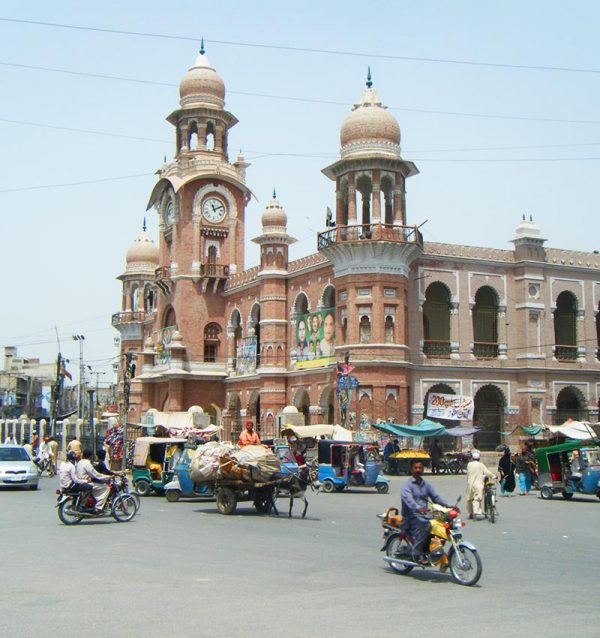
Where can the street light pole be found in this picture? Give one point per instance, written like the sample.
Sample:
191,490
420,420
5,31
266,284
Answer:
92,423
81,339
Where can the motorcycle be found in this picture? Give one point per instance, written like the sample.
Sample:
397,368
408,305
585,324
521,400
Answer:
75,505
446,548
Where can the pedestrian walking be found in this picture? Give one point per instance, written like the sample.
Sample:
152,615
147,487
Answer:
506,472
476,474
525,468
435,452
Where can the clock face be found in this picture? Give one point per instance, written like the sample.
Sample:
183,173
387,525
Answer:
213,210
169,213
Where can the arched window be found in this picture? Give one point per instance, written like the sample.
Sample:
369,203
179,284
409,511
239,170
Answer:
565,327
345,329
193,137
365,329
365,187
436,321
389,329
345,198
149,299
485,324
134,299
236,324
255,323
169,318
210,136
570,404
328,297
387,204
212,340
301,304
489,417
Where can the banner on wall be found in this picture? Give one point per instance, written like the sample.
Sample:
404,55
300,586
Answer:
314,345
246,356
450,406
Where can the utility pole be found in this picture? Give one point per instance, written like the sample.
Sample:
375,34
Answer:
56,393
92,423
97,375
128,374
80,406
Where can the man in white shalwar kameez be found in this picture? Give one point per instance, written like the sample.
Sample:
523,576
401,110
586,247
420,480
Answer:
476,474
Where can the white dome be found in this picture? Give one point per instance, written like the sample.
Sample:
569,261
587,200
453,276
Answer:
143,254
201,85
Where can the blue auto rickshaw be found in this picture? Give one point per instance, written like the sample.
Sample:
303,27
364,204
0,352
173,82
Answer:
559,474
181,484
343,465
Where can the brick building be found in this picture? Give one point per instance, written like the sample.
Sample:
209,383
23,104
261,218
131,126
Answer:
516,329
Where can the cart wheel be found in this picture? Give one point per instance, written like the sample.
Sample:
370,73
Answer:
226,500
328,486
546,493
143,487
173,495
382,488
567,495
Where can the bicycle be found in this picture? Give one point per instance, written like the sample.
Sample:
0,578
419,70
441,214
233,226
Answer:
489,501
45,464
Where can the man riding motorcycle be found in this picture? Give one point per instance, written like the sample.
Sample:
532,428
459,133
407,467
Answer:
415,494
69,481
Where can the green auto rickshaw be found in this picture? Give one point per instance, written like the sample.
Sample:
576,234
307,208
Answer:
154,460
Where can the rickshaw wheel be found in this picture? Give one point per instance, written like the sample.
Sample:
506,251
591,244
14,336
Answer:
173,495
328,486
567,495
143,488
340,488
382,488
546,493
226,500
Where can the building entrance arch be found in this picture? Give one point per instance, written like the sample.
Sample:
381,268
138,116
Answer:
489,417
570,404
327,404
302,403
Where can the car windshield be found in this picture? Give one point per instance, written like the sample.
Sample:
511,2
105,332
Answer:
13,454
592,457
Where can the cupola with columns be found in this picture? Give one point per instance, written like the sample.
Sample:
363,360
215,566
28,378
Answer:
274,240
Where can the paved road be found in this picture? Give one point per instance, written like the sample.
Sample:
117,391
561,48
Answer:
183,569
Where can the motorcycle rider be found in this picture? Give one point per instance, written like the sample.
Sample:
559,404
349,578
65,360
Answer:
69,481
415,495
86,471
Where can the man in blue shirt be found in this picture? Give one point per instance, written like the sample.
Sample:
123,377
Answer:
415,496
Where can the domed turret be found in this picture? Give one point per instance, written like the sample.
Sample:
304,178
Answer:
143,254
527,229
274,218
370,129
201,85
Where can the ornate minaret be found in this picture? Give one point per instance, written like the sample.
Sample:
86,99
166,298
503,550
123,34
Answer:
370,246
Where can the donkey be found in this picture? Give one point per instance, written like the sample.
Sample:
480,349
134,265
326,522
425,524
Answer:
296,485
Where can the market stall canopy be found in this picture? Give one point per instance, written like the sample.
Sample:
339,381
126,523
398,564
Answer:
580,430
333,432
424,428
462,431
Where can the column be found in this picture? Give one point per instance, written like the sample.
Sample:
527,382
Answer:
454,331
502,345
376,201
352,206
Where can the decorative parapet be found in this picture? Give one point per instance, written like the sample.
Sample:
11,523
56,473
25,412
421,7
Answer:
467,252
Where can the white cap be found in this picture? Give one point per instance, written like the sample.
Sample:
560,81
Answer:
475,455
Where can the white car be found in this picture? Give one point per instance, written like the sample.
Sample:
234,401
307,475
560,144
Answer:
17,468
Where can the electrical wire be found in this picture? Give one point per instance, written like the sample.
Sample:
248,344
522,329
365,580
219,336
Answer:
362,54
67,184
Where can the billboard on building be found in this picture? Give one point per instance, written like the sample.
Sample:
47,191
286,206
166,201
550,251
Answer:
246,356
314,343
450,406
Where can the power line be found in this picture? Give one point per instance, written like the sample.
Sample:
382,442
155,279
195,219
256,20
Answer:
63,185
519,118
361,54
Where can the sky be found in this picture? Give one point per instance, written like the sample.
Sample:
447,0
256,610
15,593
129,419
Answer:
497,103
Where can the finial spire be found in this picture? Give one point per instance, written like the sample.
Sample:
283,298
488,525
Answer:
202,49
523,216
144,225
530,218
274,194
369,81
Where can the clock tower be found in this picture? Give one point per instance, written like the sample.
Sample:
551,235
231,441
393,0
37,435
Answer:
201,199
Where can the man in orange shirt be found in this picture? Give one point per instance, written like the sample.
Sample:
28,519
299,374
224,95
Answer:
249,436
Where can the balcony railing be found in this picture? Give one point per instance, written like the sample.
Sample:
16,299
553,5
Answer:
485,350
128,317
373,232
436,349
565,353
220,271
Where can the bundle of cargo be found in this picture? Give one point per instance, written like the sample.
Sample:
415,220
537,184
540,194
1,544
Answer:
206,462
254,463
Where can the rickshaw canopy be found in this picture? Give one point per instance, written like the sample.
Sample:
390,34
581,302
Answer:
333,432
143,444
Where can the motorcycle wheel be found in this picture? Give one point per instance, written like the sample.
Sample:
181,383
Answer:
396,546
124,508
67,514
470,571
173,495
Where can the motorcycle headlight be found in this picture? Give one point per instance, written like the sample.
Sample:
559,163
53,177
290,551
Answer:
457,523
